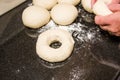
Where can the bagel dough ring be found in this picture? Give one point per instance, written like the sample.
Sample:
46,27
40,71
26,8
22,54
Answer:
48,4
64,14
100,8
35,17
73,2
50,54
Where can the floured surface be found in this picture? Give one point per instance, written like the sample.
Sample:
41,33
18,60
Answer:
19,60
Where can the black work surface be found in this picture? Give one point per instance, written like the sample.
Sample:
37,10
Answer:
93,58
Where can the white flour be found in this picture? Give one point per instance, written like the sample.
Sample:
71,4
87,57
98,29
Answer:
78,30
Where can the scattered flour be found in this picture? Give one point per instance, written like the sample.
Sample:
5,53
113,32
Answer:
79,31
77,74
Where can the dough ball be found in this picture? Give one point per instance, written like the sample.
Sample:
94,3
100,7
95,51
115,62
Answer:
100,8
35,17
48,4
64,14
87,5
73,2
50,54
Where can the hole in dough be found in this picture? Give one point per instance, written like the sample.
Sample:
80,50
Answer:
55,44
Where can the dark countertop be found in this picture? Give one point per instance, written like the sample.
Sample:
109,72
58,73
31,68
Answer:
96,55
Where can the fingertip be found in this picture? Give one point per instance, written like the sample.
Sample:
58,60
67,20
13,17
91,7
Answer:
97,19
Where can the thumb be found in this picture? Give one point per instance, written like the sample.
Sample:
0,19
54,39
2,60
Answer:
102,20
114,7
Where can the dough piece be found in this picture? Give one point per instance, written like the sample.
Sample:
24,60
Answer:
50,54
107,1
64,14
100,8
87,5
48,4
35,16
73,2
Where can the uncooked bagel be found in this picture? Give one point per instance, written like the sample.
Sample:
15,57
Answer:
48,4
100,8
73,2
64,14
50,54
35,17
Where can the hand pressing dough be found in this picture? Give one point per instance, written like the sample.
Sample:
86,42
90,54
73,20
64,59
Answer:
87,5
64,14
100,8
35,16
73,2
48,4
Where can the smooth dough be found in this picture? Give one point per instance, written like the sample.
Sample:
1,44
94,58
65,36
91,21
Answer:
107,1
87,5
50,54
64,14
100,8
73,2
35,17
48,4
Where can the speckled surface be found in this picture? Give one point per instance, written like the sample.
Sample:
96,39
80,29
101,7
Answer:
96,54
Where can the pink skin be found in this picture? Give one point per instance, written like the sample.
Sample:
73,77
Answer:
93,2
110,23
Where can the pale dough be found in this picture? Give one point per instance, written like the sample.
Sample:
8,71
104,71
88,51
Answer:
50,54
64,14
87,5
107,1
74,2
100,8
35,16
48,4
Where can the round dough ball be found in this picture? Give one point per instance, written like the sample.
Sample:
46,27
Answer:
50,54
35,17
100,8
87,5
48,4
64,14
73,2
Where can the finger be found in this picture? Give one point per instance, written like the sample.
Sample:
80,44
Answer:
114,7
102,20
115,33
115,1
106,28
110,28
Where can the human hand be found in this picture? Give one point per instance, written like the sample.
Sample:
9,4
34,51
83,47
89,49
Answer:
115,2
112,2
110,23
